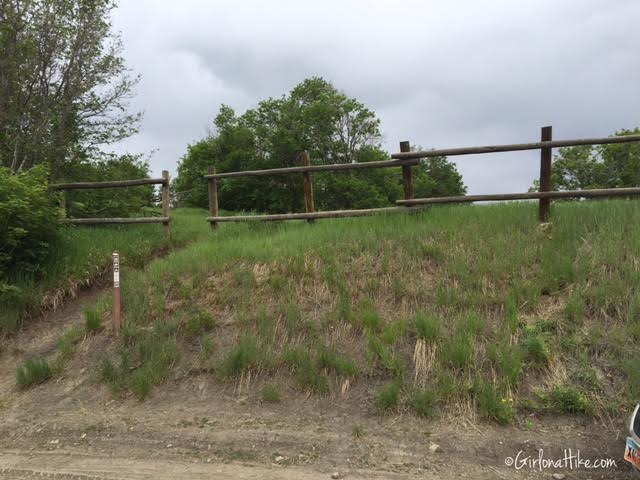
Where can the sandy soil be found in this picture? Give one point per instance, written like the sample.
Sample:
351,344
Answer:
74,428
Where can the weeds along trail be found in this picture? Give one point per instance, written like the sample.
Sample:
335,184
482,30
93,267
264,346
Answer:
461,312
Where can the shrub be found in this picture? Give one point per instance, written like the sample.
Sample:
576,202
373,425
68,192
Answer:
33,372
29,222
569,400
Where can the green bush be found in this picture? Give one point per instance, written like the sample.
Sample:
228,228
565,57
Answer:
566,399
128,202
29,224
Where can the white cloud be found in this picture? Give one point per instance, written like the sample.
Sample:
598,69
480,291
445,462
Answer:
437,73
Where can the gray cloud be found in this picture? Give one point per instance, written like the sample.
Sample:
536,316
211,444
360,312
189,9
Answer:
440,74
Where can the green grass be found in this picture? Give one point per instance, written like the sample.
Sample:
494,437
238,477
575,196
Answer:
422,402
427,327
93,319
485,291
270,394
82,255
33,372
388,397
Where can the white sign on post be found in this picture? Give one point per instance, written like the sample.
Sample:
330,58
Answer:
116,270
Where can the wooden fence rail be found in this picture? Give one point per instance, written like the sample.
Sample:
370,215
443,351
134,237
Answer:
164,219
406,159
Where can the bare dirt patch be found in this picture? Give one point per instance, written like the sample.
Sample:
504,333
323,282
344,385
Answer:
197,427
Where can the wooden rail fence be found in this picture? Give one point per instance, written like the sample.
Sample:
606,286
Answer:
164,182
407,159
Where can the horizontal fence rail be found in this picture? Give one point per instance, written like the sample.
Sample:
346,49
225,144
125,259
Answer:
120,221
601,192
316,168
514,147
309,216
111,184
164,219
406,159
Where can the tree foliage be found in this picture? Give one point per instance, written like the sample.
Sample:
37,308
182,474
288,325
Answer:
28,221
126,202
64,86
600,166
316,117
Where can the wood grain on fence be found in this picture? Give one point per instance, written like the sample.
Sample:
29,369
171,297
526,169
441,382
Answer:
164,219
600,192
544,205
407,183
406,159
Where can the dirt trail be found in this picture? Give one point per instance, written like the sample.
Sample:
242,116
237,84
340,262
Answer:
195,427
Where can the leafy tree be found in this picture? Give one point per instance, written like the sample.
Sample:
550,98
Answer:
125,202
601,166
64,86
437,177
188,187
29,221
316,117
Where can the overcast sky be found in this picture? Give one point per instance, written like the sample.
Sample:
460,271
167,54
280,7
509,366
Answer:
437,73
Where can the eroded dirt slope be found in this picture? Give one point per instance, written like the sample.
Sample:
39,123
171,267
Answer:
73,427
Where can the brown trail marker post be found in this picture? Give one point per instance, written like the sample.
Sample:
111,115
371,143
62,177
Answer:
406,173
116,293
545,175
308,186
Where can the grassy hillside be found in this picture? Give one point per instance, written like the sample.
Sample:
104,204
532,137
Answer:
83,255
458,310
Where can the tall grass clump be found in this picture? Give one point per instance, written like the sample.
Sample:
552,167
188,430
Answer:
33,372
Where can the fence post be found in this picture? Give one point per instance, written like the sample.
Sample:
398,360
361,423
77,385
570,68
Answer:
406,173
213,197
308,186
545,175
165,202
116,293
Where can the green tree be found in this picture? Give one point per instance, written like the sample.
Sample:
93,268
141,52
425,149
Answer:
437,177
64,86
127,202
316,117
601,166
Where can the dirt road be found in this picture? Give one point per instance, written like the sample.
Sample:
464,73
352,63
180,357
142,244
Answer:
73,427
